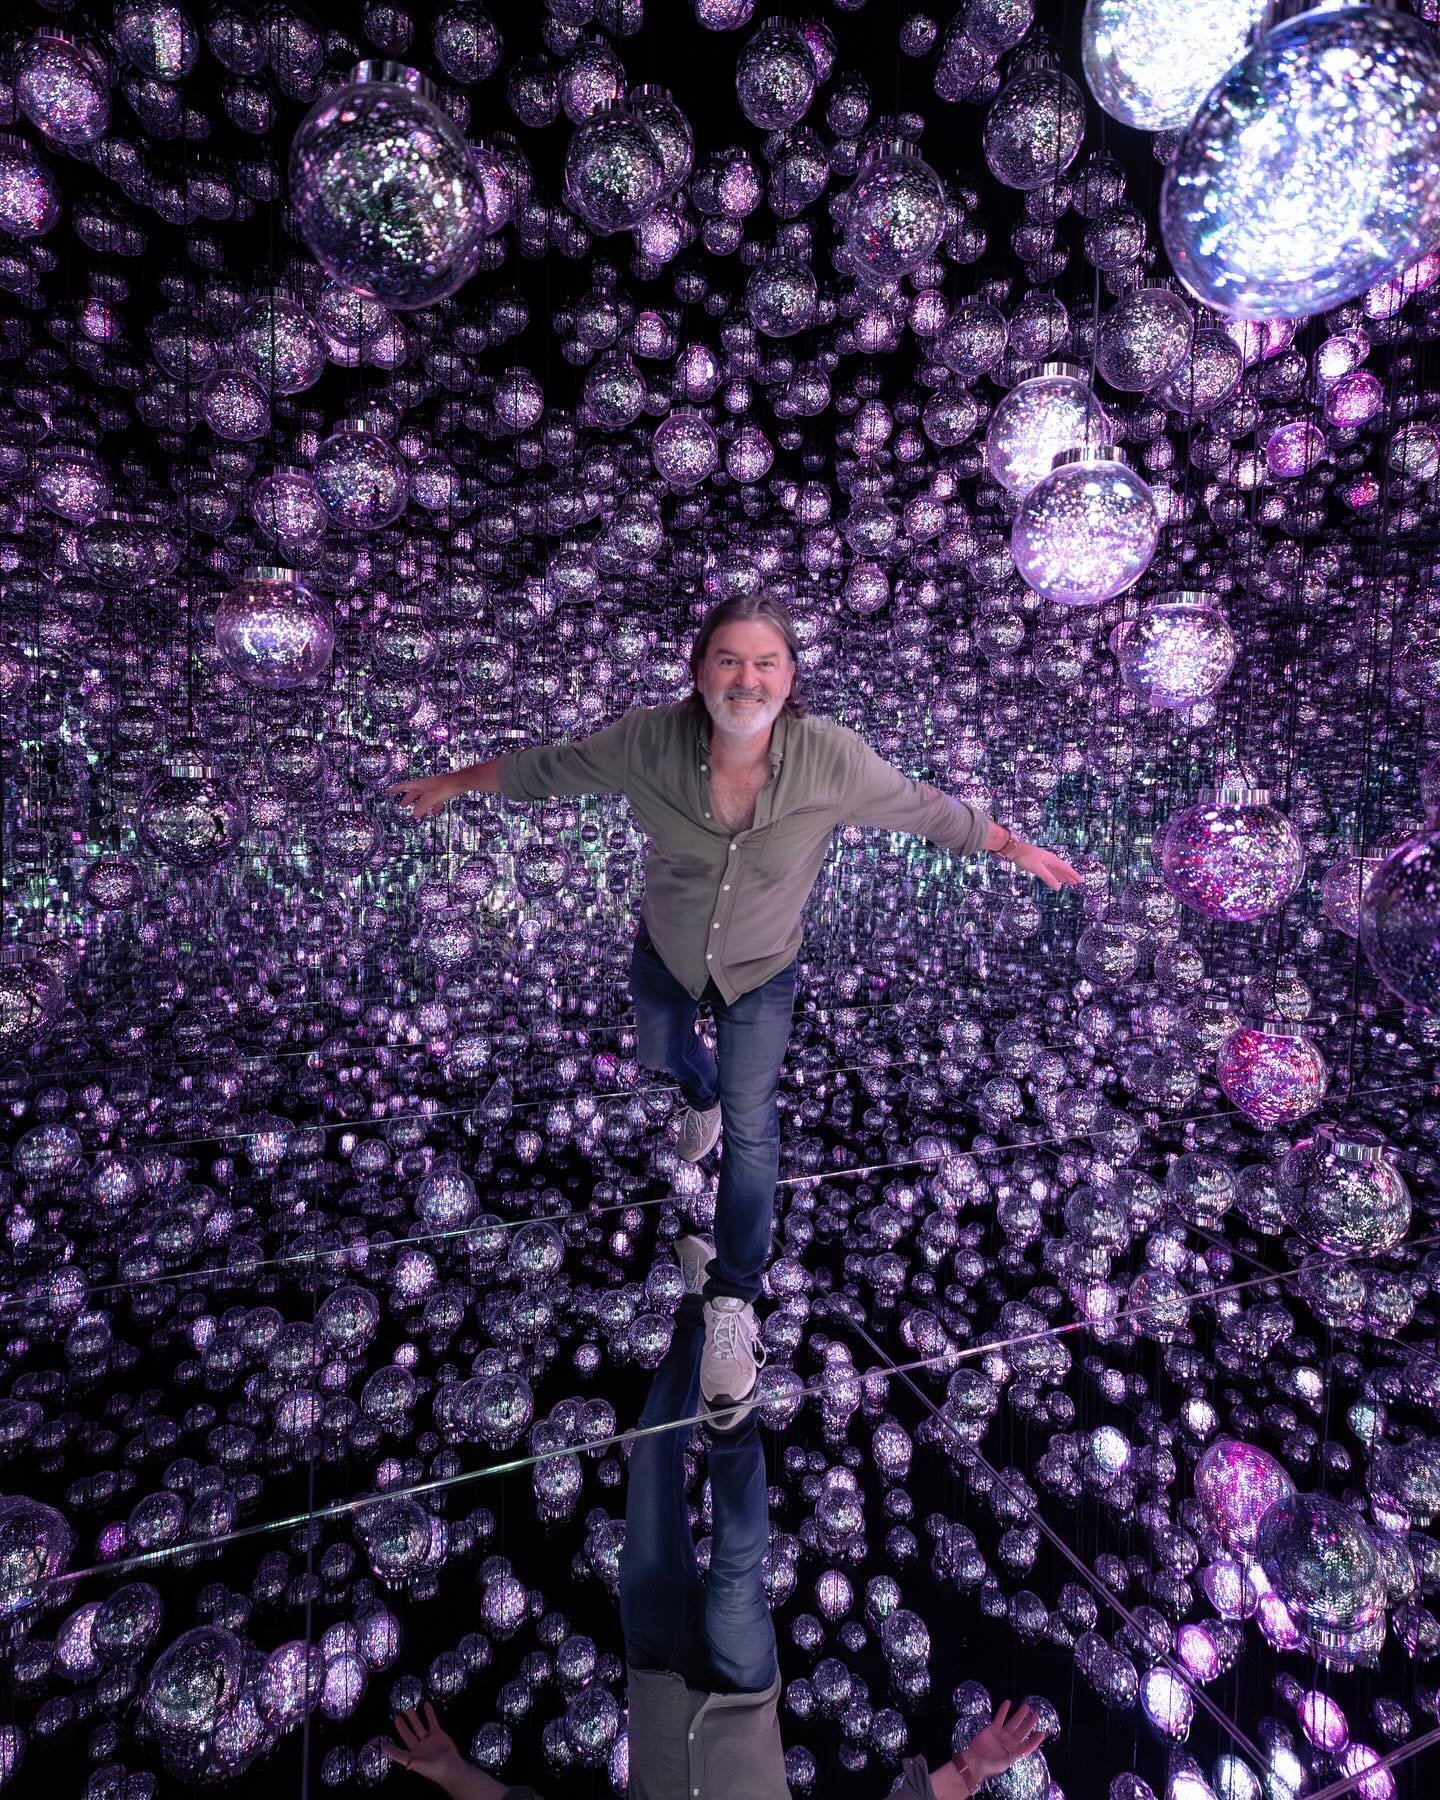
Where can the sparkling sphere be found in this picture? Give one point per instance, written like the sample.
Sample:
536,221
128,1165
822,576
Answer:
61,88
613,171
1176,652
71,483
1150,64
290,512
1236,1483
1320,1558
281,345
272,632
1400,919
1046,413
780,297
1312,169
158,36
468,44
1342,887
29,192
1086,531
775,76
1034,128
35,1545
361,481
189,817
684,449
1341,1193
895,213
1273,1073
654,108
385,191
973,340
1143,339
193,1682
1233,856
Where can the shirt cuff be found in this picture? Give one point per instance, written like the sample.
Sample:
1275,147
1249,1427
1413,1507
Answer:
916,1784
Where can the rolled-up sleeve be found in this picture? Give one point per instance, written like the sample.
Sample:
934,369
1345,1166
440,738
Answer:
880,795
914,1782
596,765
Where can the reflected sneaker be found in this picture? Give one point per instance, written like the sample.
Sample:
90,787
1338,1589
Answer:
730,1361
694,1255
698,1132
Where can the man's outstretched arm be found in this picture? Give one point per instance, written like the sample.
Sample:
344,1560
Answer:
594,765
427,1749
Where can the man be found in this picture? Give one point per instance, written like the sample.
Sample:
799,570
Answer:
703,1678
738,789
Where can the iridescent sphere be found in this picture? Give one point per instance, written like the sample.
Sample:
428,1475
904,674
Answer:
29,192
61,88
1143,339
1232,856
35,1545
288,510
280,344
1312,169
233,405
113,882
1177,652
468,44
1294,448
193,1682
385,191
775,76
1354,398
613,172
973,340
158,36
780,297
1320,1558
1400,919
1149,64
1236,1483
1050,411
1340,1192
1087,530
71,483
396,1537
654,108
895,212
361,481
272,631
189,817
684,449
1205,377
1273,1073
1034,128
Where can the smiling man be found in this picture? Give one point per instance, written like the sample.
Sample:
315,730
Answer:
738,789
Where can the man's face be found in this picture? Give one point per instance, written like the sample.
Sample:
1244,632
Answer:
745,678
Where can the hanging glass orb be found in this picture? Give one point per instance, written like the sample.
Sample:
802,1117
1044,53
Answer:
684,449
1087,531
384,189
28,998
1035,124
234,406
654,108
280,344
1341,1193
1150,64
288,510
1312,170
193,1682
780,297
29,192
189,817
35,1545
1320,1558
895,212
158,37
1236,1484
1232,856
113,882
1205,377
272,631
1143,339
468,44
1294,449
973,340
361,481
1400,918
775,76
613,172
1274,1073
1342,887
119,549
1177,652
1049,411
71,483
61,87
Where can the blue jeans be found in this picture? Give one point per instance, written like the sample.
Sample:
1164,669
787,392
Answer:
752,1033
717,1634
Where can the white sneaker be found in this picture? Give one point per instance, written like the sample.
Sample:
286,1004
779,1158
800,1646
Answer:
698,1132
694,1255
731,1360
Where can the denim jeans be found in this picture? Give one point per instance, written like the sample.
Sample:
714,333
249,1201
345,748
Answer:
752,1034
718,1634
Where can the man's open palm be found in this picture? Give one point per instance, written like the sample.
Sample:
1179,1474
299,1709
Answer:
1053,870
425,1747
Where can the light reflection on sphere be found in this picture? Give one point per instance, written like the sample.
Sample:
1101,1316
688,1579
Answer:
780,298
775,76
385,191
1043,415
1400,919
272,632
190,817
1034,128
1232,856
29,192
61,87
1142,339
361,481
1151,66
1311,170
1275,1075
1342,1194
1320,1558
613,172
895,213
1176,652
1085,532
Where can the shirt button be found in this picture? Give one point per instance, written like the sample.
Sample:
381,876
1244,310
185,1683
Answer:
726,888
715,926
709,956
692,1737
732,845
707,815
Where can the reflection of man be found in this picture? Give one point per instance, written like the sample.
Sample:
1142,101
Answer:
700,1656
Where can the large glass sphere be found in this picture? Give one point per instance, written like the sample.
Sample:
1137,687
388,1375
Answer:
1034,128
272,631
35,1545
1400,919
1341,1193
1143,339
359,478
613,171
384,188
1050,411
894,214
1176,652
1320,1558
1273,1073
684,449
1150,64
1312,170
780,297
670,131
775,76
192,1684
29,192
1236,1483
1087,531
1232,856
189,817
61,88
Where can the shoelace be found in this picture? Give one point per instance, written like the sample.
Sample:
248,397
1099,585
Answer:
729,1332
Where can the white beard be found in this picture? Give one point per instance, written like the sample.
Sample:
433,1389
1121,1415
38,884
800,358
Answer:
743,722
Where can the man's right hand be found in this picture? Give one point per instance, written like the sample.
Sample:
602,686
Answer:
428,794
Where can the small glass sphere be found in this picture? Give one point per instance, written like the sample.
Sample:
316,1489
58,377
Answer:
113,882
780,297
1273,1073
775,76
1034,128
1150,65
233,405
288,510
613,172
1311,171
1143,339
1043,415
361,481
280,344
973,340
61,87
468,44
189,817
1233,856
684,449
71,483
1176,653
895,213
1341,1193
1320,1558
385,191
272,631
1400,919
1236,1484
29,192
1087,531
1293,449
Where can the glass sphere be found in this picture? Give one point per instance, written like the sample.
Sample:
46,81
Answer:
1312,169
29,192
1342,887
1400,919
61,87
193,1682
1150,64
272,632
654,108
613,172
158,37
280,344
189,817
1034,128
1050,411
468,44
71,483
1232,856
1341,1193
1273,1073
1143,339
684,448
35,1545
1320,1558
385,191
290,512
1176,652
1236,1484
973,340
780,297
113,882
775,76
361,481
894,214
1087,531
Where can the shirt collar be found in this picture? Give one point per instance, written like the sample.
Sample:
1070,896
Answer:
777,737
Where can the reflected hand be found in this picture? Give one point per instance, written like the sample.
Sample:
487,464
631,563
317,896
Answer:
1003,1741
425,1747
1053,870
426,794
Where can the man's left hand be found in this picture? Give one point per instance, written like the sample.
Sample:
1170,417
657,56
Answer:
1053,870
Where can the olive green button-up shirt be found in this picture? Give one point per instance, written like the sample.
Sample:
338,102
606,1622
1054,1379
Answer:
726,906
